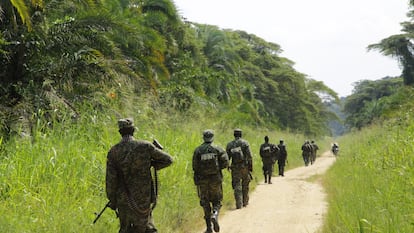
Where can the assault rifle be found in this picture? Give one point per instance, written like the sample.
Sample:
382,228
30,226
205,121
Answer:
154,189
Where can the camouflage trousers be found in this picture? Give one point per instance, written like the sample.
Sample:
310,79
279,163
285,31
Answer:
281,165
312,157
211,195
268,168
240,179
306,158
131,222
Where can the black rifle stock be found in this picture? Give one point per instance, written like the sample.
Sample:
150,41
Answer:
100,213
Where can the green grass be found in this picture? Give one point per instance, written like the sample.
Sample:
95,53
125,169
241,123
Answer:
371,186
54,181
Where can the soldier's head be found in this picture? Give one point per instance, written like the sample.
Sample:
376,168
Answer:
237,133
126,126
266,138
281,141
208,135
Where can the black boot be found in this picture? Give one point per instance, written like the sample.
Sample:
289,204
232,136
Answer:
208,224
265,176
214,219
270,178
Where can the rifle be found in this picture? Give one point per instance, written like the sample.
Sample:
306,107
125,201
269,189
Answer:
154,191
100,213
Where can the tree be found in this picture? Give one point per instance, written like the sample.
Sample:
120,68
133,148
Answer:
401,47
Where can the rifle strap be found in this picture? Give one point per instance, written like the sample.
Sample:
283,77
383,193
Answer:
132,204
155,189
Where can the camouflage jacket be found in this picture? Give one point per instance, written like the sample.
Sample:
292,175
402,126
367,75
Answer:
208,161
128,164
282,152
243,145
268,152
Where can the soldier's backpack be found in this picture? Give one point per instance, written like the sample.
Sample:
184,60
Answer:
266,151
209,162
237,155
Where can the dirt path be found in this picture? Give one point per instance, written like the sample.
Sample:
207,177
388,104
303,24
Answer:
291,204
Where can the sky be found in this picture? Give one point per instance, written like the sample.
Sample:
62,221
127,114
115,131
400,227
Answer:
326,39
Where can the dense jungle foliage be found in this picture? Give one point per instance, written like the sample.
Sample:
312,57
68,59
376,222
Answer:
57,55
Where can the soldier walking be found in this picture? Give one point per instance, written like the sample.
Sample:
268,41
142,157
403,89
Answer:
208,161
306,152
129,185
240,155
282,157
315,149
268,153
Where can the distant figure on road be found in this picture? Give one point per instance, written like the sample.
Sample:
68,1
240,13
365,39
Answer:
240,155
268,153
129,185
335,149
208,161
306,152
315,149
282,157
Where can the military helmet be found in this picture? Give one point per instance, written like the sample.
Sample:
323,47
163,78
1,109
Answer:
208,135
125,123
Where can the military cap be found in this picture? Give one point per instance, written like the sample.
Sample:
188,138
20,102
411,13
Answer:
125,123
208,135
237,130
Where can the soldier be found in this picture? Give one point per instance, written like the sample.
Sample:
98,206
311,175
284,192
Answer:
268,154
306,152
239,153
208,161
335,149
129,185
315,149
282,157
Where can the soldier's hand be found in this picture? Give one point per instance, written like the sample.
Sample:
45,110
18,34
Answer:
112,205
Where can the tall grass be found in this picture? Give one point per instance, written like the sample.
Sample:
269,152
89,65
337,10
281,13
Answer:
54,180
371,186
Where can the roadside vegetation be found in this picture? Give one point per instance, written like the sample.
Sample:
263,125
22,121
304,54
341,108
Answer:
54,180
371,185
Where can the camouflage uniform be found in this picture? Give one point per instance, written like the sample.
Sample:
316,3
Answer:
282,158
129,184
241,166
268,154
208,161
306,152
315,149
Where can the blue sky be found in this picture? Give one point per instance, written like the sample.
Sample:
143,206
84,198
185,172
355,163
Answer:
326,39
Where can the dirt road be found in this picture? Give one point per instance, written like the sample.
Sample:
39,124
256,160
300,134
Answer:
291,204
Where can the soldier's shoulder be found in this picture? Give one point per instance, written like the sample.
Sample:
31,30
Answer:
217,147
143,143
244,141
